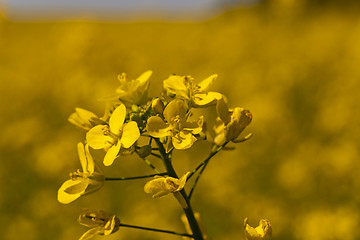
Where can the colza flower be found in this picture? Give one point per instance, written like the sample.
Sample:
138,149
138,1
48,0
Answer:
181,131
82,118
100,222
261,232
196,94
230,123
84,182
113,136
161,186
133,91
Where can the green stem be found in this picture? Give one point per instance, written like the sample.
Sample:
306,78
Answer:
197,235
156,230
133,178
203,166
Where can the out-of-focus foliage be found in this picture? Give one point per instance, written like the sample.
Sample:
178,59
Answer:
295,67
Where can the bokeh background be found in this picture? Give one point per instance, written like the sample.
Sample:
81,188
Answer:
294,64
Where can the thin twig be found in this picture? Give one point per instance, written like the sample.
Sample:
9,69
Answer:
136,177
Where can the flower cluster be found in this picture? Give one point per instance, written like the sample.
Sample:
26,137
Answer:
166,121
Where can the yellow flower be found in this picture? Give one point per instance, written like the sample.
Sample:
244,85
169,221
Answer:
111,137
133,91
161,186
84,182
82,118
261,232
100,222
230,123
196,94
181,131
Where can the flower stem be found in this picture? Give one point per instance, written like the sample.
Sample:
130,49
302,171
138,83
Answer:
133,178
156,230
197,235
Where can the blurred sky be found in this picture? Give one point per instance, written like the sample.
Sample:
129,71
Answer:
24,9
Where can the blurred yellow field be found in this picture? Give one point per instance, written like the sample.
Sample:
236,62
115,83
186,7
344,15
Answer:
296,69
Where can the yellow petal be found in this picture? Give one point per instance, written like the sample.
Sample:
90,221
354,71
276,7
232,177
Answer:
82,157
156,127
111,154
117,119
175,108
195,127
64,197
204,99
175,85
156,187
206,83
223,111
143,79
78,187
96,139
90,233
183,140
130,134
112,225
90,160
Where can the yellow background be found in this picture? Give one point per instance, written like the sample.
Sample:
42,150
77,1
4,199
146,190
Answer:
295,67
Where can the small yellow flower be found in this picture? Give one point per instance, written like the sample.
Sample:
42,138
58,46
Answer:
181,131
100,222
230,123
84,182
196,94
133,91
261,232
161,186
82,118
111,137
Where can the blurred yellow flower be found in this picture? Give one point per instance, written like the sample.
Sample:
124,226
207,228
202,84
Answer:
100,222
161,186
261,232
181,131
111,137
133,91
196,94
84,182
230,123
82,118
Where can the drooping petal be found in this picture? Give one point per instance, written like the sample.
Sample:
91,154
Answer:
156,187
97,139
223,111
204,99
111,154
90,161
78,187
117,119
175,108
90,233
175,85
206,83
82,157
156,127
183,140
81,118
130,134
64,197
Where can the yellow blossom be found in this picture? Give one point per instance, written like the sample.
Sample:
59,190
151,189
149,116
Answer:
84,182
82,118
230,123
261,232
161,186
113,136
196,94
133,91
181,131
100,222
